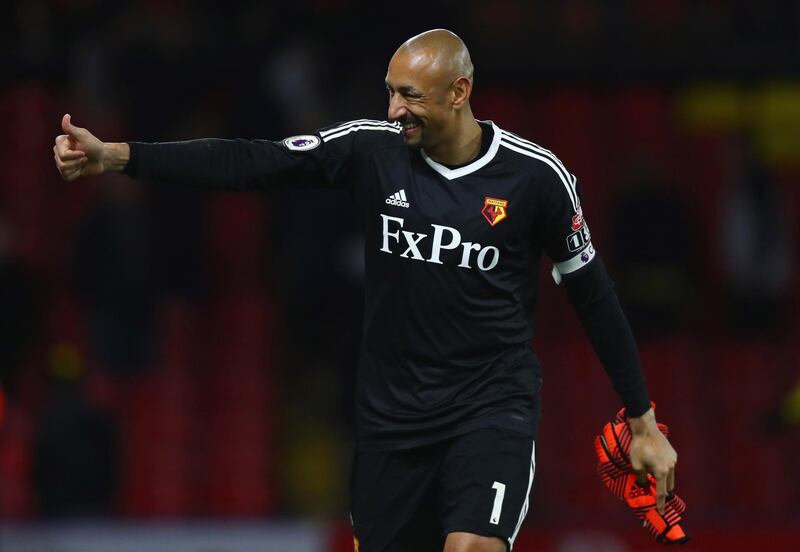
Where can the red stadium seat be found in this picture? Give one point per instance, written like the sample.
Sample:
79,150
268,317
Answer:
238,410
675,376
159,426
236,241
741,390
16,449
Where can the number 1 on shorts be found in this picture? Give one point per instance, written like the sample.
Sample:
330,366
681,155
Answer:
500,493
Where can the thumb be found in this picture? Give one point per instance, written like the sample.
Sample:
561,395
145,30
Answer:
66,123
69,128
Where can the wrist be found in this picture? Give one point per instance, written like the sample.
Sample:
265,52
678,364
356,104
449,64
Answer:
644,424
116,156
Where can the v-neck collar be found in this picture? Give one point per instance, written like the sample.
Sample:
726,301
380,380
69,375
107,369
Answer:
479,163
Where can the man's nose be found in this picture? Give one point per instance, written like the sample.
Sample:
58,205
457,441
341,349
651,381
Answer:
397,108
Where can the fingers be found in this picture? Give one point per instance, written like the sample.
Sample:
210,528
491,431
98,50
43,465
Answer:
640,470
69,176
69,159
661,492
64,148
70,170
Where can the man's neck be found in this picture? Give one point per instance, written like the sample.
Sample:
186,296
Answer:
462,148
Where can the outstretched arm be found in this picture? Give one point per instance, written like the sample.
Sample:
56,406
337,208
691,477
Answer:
208,163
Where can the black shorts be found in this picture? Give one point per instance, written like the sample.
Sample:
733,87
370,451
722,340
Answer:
409,500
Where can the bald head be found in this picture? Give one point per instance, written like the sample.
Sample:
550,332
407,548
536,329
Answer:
429,81
440,53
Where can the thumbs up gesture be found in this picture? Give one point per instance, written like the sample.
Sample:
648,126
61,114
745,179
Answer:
78,152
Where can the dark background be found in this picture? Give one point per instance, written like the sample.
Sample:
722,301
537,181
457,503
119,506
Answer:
182,355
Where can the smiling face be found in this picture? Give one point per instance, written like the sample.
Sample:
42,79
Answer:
429,80
420,98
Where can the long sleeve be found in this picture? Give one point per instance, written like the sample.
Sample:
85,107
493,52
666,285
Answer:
591,293
218,164
568,242
325,158
240,165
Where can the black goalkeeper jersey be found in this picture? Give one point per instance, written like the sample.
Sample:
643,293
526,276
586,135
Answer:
451,258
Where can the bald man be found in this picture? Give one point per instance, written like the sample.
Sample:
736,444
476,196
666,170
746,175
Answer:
457,214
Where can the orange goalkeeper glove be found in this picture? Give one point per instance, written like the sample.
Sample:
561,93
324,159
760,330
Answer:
612,447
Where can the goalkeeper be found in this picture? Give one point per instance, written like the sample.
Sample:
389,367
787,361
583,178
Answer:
457,214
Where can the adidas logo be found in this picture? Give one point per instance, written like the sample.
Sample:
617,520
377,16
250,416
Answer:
398,199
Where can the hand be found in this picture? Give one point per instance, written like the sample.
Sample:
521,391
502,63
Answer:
652,453
78,152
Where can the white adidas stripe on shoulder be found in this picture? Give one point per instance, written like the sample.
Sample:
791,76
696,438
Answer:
361,124
342,126
537,148
392,129
566,177
569,185
534,145
569,180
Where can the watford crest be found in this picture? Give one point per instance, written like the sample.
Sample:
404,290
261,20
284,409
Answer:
494,210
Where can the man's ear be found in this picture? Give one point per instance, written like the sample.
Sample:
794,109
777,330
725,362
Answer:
461,90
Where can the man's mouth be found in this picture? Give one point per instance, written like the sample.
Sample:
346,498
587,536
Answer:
410,128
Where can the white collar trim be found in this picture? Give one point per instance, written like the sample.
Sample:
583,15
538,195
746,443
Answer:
479,163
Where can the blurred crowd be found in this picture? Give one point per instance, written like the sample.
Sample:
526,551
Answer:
165,352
